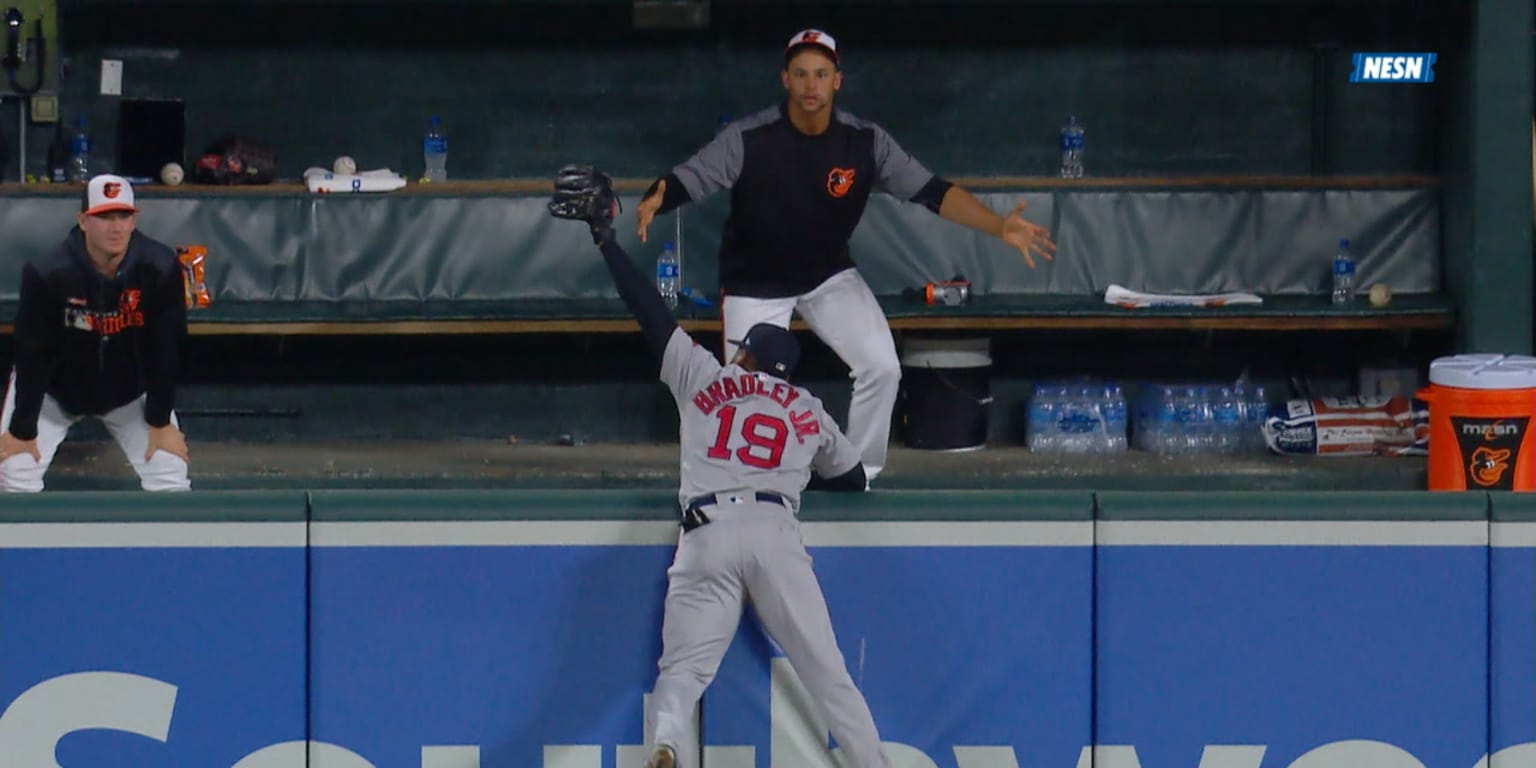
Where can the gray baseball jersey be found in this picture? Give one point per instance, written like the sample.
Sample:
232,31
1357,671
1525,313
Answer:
746,431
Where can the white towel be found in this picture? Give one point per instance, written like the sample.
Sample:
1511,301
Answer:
381,180
1125,297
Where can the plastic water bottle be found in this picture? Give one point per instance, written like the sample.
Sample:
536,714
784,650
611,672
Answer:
1116,419
1257,411
1192,422
1227,412
1041,427
1206,431
1156,420
1072,149
669,274
1343,274
1080,423
434,149
80,153
1177,438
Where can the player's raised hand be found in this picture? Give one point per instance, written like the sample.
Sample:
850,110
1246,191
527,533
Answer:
1027,236
649,206
169,439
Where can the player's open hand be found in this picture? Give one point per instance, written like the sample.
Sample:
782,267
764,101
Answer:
11,445
1027,237
169,439
649,206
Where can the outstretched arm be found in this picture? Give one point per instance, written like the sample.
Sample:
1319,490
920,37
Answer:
905,178
585,194
711,169
656,321
963,208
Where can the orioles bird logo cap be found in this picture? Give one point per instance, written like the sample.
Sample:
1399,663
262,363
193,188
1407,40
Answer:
814,37
107,193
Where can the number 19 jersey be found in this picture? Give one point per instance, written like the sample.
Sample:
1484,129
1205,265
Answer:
747,431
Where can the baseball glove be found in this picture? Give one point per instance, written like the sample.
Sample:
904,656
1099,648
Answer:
236,160
585,194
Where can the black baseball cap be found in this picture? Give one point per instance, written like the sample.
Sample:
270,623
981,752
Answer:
775,349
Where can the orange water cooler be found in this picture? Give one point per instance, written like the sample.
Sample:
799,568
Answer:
1480,413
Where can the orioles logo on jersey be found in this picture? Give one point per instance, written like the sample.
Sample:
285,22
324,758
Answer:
839,181
79,315
1488,465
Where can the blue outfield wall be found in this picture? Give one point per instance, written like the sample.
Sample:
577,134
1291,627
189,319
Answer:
497,630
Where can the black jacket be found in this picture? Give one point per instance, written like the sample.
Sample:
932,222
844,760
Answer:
95,342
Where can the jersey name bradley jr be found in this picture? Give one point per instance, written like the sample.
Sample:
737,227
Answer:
729,390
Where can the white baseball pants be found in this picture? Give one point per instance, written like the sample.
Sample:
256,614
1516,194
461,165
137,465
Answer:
24,474
843,312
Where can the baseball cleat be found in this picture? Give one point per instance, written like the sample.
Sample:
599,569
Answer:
663,757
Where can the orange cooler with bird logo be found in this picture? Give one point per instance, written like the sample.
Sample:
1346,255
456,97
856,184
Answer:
1480,431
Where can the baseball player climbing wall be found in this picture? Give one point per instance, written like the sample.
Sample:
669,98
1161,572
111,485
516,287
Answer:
800,175
785,247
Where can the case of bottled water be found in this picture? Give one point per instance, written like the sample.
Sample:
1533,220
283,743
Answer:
1077,417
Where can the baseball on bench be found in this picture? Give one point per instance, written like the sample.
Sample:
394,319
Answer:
172,174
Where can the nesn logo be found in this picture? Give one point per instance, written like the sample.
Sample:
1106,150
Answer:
1393,68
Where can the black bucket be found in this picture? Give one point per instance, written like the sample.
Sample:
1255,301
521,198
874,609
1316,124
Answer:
945,391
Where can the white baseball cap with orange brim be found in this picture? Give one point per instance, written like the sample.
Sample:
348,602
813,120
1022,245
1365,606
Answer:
814,37
107,193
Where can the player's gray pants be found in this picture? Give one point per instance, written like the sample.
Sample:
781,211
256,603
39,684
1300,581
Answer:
24,474
843,313
753,549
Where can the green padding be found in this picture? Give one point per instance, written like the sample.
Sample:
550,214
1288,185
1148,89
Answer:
1303,505
353,506
140,507
423,248
1510,507
1267,241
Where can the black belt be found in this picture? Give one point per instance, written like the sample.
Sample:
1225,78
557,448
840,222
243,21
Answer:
693,513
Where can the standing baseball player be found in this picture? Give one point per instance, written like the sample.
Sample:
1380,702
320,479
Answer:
98,333
750,440
800,174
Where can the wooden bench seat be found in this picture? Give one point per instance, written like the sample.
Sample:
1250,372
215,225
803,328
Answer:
1280,313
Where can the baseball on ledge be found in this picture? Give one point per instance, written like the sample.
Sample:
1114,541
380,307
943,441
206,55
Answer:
1381,295
344,164
171,173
